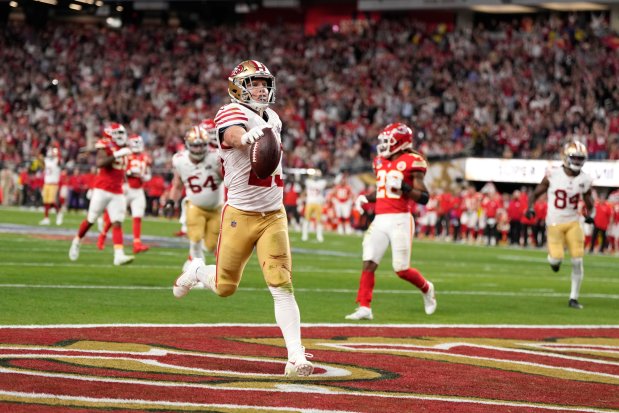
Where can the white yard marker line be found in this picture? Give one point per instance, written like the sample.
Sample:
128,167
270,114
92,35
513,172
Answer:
318,290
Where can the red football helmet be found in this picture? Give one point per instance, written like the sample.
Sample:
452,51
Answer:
209,130
396,137
135,143
117,133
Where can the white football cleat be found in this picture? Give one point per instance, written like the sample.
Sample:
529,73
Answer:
59,218
187,280
298,366
123,259
362,313
74,251
44,221
429,300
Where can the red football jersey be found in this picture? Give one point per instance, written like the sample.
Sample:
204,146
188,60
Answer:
112,177
137,168
342,192
388,200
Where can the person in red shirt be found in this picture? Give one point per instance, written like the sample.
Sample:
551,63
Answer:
601,221
400,172
154,189
138,171
539,226
491,205
292,190
515,210
107,191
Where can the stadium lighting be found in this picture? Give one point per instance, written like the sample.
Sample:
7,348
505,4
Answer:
576,6
119,8
114,22
52,2
503,8
75,6
99,3
86,1
13,4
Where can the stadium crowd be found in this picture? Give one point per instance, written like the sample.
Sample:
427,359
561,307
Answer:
515,90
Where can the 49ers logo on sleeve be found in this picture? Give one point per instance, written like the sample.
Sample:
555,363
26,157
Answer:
357,368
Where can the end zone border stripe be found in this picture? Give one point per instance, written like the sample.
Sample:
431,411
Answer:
311,325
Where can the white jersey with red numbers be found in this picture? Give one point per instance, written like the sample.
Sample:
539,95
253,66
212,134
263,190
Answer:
564,193
52,171
110,178
392,201
245,191
202,180
315,191
138,170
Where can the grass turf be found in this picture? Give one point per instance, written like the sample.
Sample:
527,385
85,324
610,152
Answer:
475,285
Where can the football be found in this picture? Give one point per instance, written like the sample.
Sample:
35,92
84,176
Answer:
265,154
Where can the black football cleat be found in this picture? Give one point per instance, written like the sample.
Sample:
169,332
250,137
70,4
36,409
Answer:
555,267
574,304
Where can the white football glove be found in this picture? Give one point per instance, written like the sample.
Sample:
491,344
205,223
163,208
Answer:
359,202
394,182
252,135
122,152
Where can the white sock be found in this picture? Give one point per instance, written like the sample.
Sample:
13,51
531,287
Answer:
305,228
195,250
288,318
119,252
578,274
206,275
319,231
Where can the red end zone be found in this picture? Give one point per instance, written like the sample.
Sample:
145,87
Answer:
358,369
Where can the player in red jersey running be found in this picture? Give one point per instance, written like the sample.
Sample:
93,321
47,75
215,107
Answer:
399,178
107,191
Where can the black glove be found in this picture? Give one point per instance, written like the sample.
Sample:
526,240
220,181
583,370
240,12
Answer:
530,213
168,208
588,219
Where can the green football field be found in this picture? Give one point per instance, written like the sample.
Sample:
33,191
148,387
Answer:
474,285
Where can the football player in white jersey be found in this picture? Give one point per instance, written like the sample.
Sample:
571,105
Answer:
198,169
315,188
566,185
253,215
51,182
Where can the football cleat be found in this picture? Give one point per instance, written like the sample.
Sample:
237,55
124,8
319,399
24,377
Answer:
429,300
298,366
187,280
101,241
123,259
44,221
180,233
139,247
361,313
555,267
59,218
574,304
74,251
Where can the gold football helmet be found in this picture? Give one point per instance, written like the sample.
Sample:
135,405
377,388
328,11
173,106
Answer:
241,81
195,142
574,155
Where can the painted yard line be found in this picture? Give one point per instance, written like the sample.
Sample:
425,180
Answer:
308,290
307,389
315,290
320,325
